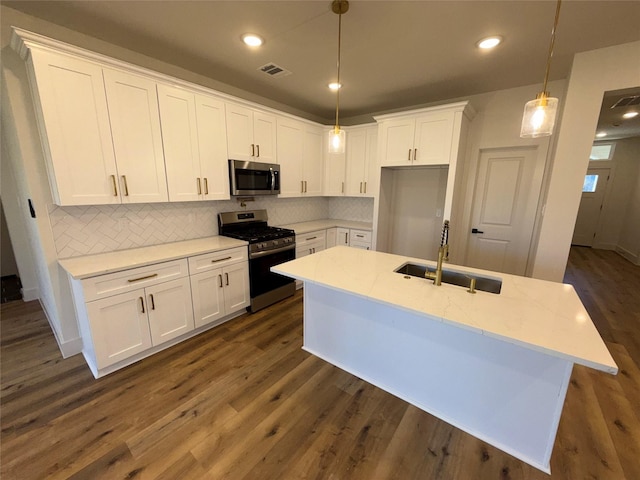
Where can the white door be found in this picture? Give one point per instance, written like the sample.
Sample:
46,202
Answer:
170,310
135,126
212,142
593,189
504,209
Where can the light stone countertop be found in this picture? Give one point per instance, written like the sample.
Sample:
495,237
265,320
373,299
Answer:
93,265
544,316
306,227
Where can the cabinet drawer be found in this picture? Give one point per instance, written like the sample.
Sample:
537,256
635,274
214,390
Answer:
127,280
360,236
317,237
211,261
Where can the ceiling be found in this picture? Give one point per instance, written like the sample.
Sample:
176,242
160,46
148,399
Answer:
395,54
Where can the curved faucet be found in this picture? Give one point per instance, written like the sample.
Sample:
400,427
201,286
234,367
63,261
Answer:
443,256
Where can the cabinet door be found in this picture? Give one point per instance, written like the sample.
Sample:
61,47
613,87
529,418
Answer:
170,310
207,291
180,140
356,161
137,141
74,128
264,137
434,133
313,167
290,148
332,236
236,287
334,170
239,132
397,142
212,143
119,327
343,237
371,170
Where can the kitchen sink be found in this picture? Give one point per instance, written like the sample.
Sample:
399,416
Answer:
485,284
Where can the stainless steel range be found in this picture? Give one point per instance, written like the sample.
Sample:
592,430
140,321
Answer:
268,246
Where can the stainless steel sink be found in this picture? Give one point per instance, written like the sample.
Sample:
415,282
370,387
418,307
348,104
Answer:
485,284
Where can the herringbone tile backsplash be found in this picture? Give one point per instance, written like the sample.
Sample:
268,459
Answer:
105,228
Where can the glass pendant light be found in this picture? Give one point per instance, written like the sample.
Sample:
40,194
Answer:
337,137
540,114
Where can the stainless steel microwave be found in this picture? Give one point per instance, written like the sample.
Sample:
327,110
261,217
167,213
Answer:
254,178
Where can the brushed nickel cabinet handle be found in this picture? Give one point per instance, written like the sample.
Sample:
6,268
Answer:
253,150
115,185
258,149
206,186
220,259
220,279
142,303
142,278
226,276
126,187
409,157
153,303
199,186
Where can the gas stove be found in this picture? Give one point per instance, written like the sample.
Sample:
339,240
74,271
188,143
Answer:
252,227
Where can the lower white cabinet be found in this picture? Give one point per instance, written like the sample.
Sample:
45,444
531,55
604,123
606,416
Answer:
350,237
219,292
309,243
127,315
342,236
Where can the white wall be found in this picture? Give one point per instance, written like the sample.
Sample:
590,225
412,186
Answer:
593,73
628,243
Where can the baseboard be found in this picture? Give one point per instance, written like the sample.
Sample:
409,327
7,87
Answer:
29,294
605,246
67,348
633,258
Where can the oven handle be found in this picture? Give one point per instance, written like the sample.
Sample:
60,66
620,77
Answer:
275,250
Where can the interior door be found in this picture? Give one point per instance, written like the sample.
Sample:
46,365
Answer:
504,208
593,189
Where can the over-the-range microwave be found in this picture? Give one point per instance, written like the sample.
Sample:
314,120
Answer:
254,178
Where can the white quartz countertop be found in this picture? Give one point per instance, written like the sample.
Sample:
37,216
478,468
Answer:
544,316
92,265
306,227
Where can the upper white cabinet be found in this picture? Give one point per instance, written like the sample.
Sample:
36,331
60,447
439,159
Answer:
251,134
195,144
300,157
362,143
73,118
423,138
137,141
335,165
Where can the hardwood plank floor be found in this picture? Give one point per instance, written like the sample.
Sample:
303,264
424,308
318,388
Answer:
243,401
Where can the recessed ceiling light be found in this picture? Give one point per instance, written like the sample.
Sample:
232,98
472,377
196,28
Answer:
601,134
630,115
335,86
252,39
489,42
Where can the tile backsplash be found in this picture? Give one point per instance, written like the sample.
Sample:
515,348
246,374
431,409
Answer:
88,230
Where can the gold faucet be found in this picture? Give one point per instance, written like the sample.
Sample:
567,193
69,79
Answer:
443,256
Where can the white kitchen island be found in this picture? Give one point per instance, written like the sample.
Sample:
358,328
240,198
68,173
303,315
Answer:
494,365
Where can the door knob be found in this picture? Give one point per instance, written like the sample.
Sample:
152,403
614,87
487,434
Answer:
475,230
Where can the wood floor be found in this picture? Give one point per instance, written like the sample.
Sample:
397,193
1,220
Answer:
243,401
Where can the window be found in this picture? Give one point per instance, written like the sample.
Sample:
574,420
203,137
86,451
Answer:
601,151
590,183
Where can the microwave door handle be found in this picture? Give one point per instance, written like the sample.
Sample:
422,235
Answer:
273,179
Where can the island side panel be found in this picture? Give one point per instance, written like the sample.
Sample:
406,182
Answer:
506,395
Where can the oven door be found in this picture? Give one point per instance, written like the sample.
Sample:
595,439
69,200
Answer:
261,279
254,178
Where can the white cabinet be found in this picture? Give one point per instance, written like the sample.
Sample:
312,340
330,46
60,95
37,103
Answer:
221,287
342,236
362,143
360,239
195,145
300,156
129,312
100,131
137,141
421,139
251,134
335,165
332,237
309,243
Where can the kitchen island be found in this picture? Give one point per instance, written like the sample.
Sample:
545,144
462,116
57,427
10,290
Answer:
494,365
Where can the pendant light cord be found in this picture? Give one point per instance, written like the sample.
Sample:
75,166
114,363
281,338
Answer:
553,41
338,80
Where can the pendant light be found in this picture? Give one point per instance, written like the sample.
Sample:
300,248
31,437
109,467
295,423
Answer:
540,114
336,134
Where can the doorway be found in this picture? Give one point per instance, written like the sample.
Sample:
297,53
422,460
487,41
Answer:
504,209
589,213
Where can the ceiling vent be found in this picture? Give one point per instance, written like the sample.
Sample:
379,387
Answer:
627,101
274,70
